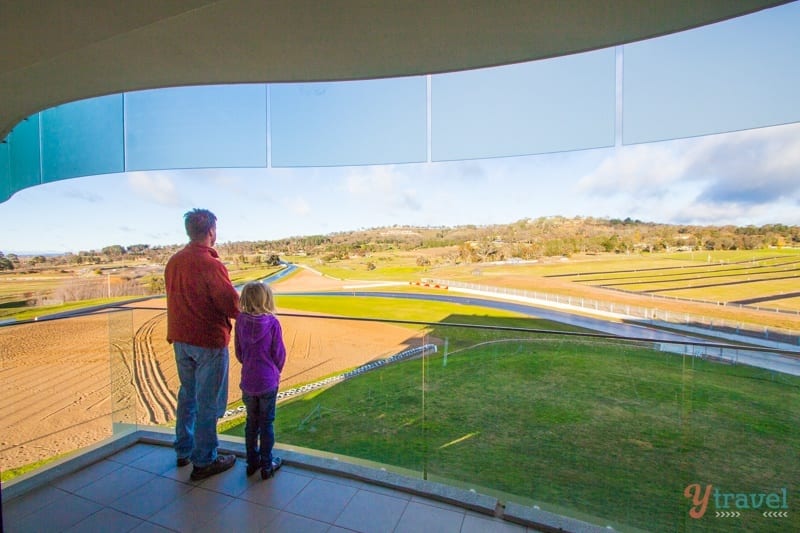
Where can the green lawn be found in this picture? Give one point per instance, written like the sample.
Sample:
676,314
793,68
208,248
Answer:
379,308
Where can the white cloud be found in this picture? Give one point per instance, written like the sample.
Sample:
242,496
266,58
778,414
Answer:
641,170
374,181
82,193
297,206
749,167
385,186
722,178
155,186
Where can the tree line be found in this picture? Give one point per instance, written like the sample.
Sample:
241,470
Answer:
525,239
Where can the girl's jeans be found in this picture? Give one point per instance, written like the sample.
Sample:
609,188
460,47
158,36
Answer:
260,416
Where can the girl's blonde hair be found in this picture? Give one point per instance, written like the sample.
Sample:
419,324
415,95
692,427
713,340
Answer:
257,299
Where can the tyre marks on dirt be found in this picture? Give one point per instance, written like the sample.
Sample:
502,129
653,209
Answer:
68,385
154,396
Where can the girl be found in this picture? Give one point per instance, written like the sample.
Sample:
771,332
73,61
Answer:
259,347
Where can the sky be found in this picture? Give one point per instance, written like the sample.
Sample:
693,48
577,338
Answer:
743,177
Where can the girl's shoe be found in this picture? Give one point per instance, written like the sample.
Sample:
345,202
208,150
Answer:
251,469
269,471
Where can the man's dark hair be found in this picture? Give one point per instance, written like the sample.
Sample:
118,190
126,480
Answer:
198,223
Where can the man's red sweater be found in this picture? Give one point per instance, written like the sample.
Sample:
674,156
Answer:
201,301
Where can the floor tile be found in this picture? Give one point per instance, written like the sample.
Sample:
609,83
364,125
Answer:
151,497
141,489
115,485
369,511
90,474
135,452
277,491
157,461
149,527
192,510
182,473
106,520
232,482
243,516
321,500
58,516
292,523
421,517
32,502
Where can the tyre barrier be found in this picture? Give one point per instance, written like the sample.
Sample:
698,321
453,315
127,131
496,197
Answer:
405,354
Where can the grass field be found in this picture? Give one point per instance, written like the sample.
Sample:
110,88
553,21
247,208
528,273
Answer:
670,282
414,310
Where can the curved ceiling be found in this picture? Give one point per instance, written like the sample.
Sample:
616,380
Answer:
57,51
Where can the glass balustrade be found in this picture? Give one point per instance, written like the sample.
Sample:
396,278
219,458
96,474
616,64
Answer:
616,432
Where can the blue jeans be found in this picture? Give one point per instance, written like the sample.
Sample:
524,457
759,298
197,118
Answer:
202,399
260,416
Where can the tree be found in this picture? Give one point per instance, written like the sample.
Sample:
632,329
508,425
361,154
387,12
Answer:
115,250
157,285
138,249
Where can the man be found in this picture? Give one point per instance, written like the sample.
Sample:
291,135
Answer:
201,301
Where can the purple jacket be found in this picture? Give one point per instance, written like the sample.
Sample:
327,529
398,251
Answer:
258,345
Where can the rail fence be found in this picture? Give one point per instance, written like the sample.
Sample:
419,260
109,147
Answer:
308,387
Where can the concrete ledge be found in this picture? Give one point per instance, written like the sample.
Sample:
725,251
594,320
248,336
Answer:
547,521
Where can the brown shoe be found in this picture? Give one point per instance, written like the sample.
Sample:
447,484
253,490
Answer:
220,464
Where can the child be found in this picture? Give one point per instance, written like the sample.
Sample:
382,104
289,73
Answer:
258,345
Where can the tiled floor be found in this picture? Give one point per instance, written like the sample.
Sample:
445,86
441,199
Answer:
140,489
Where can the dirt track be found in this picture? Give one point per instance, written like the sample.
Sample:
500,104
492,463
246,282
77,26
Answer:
65,381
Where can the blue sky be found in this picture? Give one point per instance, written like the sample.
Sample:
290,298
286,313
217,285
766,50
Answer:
743,177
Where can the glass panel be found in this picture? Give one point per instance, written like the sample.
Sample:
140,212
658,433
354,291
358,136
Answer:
55,382
553,105
25,154
121,359
151,367
733,75
5,172
609,432
326,406
83,138
197,127
349,123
